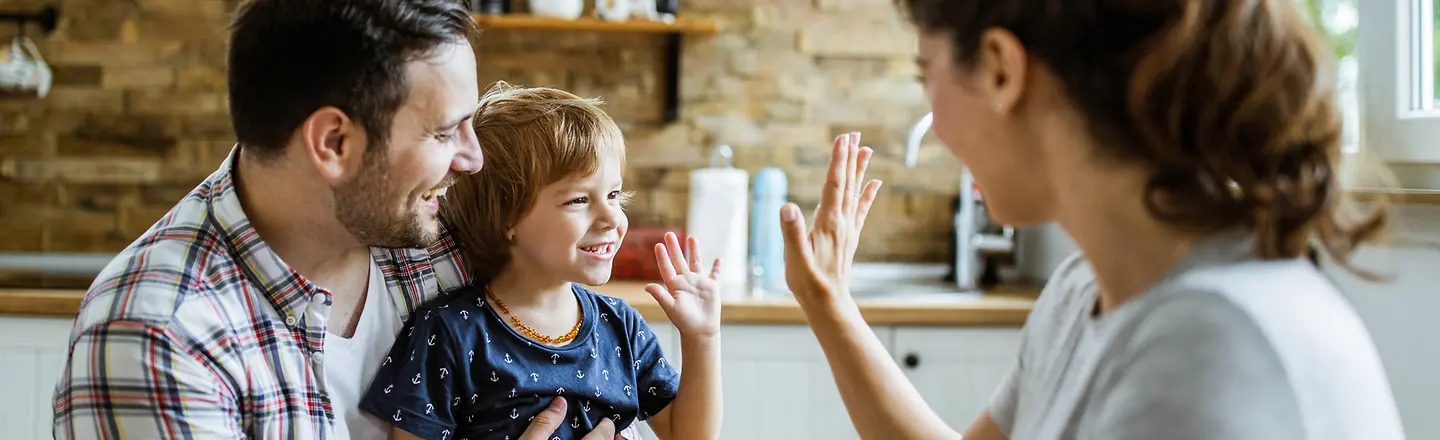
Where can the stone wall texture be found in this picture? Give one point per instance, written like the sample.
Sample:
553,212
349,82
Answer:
138,113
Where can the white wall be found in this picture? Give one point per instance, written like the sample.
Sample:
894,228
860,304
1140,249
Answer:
1403,316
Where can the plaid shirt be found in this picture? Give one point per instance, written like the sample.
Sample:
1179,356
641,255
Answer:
198,330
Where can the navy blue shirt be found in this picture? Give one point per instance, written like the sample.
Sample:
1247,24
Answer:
458,371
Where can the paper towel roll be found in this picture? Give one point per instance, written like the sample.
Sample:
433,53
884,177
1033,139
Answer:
719,218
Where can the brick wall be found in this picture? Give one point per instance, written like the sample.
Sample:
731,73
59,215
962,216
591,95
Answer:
138,113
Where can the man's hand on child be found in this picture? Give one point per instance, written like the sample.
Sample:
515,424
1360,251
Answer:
689,296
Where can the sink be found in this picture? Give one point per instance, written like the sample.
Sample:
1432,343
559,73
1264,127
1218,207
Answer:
904,280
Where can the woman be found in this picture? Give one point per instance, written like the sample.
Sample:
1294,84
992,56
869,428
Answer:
1189,147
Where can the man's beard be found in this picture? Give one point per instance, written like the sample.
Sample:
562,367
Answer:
364,205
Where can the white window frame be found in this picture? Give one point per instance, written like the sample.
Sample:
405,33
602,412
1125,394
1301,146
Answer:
1389,37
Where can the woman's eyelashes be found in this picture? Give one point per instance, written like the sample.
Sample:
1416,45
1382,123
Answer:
616,196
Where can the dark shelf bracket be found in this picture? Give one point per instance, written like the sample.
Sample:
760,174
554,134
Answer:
48,19
673,44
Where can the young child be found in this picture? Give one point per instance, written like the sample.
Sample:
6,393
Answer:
541,218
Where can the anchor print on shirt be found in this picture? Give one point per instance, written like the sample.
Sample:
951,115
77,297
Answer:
429,408
597,391
444,434
471,359
534,377
473,397
585,404
606,373
416,380
494,377
627,390
430,341
512,393
427,314
617,351
579,374
594,354
456,402
389,387
560,391
508,359
443,372
612,301
652,391
604,317
387,361
396,417
464,314
662,362
554,358
514,413
575,423
641,334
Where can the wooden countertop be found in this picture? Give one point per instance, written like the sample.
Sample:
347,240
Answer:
1005,307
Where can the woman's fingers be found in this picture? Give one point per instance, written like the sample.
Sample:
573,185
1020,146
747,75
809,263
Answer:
832,197
862,165
867,198
852,162
798,256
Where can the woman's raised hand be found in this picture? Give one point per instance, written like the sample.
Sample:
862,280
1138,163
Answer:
817,263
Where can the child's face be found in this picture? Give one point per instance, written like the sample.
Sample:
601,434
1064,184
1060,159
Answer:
574,229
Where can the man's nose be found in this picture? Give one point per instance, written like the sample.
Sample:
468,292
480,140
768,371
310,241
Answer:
469,160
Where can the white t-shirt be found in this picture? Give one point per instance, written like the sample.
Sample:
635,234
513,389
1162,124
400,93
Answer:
1226,346
350,364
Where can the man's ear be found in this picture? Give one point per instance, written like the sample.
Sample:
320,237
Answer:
334,143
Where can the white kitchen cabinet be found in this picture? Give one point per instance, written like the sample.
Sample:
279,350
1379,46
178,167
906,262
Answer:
778,385
32,352
956,370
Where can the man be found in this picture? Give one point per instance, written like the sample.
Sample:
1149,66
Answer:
260,306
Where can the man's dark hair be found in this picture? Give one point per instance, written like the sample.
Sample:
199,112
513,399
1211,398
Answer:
288,58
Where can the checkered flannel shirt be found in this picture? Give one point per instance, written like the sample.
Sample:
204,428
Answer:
198,330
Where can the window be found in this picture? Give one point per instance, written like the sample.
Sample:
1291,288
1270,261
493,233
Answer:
1397,52
1338,20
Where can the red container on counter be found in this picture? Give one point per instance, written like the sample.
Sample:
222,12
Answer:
636,258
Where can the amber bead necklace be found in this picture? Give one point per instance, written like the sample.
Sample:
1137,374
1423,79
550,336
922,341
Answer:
531,332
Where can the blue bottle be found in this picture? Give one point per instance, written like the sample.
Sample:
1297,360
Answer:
767,245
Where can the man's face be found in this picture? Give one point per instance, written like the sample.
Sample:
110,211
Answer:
393,203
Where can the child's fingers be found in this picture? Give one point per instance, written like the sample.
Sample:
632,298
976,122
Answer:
677,257
661,295
693,244
662,259
715,270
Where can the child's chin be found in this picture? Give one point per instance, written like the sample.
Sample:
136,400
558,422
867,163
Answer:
597,276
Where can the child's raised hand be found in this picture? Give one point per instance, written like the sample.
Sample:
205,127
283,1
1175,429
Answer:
690,297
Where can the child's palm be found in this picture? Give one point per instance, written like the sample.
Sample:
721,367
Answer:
689,296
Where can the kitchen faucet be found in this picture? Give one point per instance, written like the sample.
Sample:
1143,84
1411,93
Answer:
970,219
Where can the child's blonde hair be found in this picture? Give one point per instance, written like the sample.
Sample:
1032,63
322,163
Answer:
531,137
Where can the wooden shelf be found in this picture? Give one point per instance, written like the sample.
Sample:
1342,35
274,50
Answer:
682,25
672,32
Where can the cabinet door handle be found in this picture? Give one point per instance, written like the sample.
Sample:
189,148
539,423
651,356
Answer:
912,361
